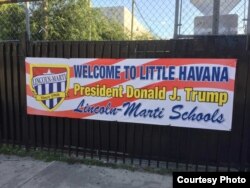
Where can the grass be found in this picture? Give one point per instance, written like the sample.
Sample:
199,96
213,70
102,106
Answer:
47,156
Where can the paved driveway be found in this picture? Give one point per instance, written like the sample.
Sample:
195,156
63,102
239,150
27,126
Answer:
27,172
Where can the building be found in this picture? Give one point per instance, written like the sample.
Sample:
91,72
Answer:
123,16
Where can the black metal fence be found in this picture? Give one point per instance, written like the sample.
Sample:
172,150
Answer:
127,142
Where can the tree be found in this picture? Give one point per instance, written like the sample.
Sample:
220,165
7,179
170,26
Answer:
106,29
72,20
12,21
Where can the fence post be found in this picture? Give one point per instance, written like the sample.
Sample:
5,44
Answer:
27,19
216,16
132,20
248,18
176,18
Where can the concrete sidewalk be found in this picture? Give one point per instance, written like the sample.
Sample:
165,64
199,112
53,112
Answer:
27,172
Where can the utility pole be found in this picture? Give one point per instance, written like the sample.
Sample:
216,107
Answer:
132,21
27,19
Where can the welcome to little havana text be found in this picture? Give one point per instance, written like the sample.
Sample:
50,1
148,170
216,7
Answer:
159,72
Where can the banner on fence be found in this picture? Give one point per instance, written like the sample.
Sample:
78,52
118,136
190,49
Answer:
194,93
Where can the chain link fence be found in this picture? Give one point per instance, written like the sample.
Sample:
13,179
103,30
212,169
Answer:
122,19
206,17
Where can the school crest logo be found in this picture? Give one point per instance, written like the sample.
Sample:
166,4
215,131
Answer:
50,84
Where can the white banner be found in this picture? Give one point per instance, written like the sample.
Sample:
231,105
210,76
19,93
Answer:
194,93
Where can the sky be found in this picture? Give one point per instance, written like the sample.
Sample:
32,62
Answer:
158,15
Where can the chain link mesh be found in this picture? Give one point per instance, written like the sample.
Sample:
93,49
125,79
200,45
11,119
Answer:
12,21
120,19
196,17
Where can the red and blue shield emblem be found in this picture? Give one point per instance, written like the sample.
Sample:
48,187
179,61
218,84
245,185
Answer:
50,85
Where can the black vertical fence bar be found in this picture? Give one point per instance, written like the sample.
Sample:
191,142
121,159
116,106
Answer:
100,141
159,153
141,141
78,137
1,111
31,120
55,128
93,143
15,93
9,95
3,95
25,127
1,116
109,138
85,139
12,98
